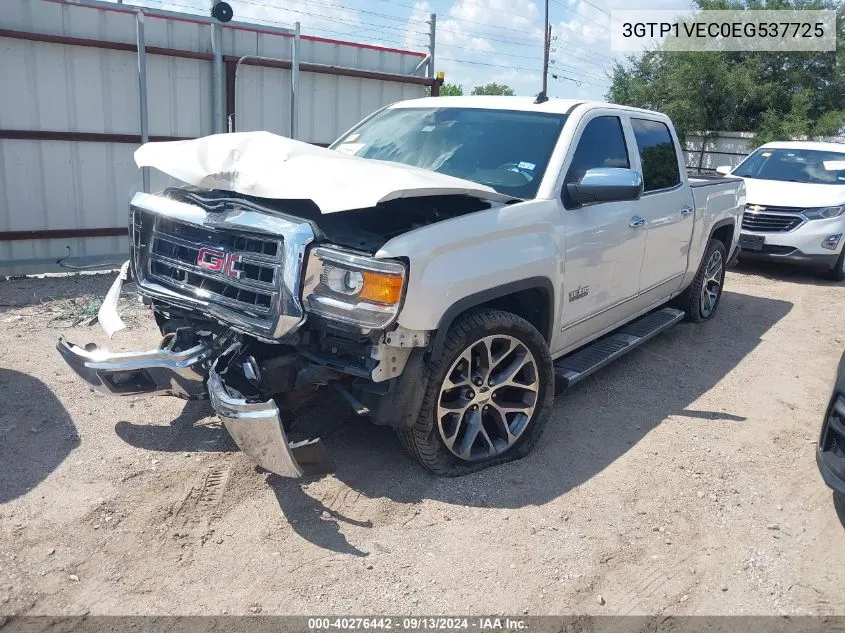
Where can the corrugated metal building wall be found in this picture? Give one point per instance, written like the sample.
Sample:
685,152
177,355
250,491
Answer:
69,112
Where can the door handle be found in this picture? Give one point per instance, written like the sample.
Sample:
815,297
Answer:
686,210
636,221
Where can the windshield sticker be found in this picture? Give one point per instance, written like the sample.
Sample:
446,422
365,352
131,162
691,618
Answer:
528,166
427,128
350,149
352,137
766,154
833,165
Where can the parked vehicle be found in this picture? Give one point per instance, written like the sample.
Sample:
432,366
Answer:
796,204
441,266
830,453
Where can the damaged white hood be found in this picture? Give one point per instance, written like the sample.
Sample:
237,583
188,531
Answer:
270,166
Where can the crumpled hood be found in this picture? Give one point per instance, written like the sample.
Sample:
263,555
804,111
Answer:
270,166
777,193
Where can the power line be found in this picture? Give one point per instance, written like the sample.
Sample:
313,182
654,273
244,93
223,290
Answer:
340,20
576,14
332,5
576,71
468,61
577,81
359,36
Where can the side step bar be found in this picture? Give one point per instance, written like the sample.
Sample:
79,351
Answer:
588,360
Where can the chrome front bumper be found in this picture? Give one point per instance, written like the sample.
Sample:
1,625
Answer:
256,427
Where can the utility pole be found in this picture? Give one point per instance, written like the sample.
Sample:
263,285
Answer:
432,39
547,33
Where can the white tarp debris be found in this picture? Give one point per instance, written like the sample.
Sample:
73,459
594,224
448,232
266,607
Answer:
270,166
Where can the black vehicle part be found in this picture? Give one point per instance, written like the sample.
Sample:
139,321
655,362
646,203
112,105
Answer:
360,229
532,299
399,406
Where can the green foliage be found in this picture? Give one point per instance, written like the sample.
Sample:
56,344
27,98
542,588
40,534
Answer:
451,90
493,89
777,95
448,90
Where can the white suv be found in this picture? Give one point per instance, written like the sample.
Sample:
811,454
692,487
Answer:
796,204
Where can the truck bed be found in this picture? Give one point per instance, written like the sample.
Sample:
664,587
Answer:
706,180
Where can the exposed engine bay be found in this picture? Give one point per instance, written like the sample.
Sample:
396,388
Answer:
359,229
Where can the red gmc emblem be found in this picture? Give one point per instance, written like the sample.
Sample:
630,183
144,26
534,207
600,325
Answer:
219,262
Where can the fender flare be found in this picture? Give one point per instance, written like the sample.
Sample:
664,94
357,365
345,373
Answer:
497,292
718,225
723,222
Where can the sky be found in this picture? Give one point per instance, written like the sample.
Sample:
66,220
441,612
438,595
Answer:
477,41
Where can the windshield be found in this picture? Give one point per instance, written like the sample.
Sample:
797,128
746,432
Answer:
795,165
505,149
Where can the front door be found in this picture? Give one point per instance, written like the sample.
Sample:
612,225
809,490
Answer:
604,241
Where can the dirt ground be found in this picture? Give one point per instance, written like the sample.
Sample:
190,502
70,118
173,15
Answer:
679,480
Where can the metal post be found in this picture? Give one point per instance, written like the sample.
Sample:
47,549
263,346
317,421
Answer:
142,91
294,84
547,43
217,78
431,40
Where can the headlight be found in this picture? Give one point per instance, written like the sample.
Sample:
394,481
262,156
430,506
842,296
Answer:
823,213
352,289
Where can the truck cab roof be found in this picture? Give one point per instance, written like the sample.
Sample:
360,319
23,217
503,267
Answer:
525,104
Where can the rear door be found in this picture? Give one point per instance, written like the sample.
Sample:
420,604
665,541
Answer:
604,246
666,206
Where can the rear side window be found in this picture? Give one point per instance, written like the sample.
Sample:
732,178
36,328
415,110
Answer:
602,144
657,154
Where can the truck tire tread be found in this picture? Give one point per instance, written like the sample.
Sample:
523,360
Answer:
422,439
689,299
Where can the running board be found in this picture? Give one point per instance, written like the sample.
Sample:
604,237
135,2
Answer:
588,360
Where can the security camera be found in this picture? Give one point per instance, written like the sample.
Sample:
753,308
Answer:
222,11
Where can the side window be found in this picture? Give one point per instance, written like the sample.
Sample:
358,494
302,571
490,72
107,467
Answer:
657,154
602,144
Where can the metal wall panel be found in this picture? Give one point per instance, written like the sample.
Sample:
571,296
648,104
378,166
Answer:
51,87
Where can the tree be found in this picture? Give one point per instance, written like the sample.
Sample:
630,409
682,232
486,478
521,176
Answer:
776,95
493,89
451,90
448,90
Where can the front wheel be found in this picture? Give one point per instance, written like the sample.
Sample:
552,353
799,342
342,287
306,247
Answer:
488,396
837,273
701,299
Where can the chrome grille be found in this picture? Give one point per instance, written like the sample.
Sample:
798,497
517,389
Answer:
171,252
771,219
239,262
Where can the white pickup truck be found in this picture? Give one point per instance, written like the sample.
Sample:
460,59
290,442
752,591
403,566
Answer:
447,266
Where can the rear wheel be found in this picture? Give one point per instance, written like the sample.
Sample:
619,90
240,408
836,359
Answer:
488,396
701,299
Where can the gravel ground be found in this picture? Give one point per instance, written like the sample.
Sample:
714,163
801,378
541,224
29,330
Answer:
679,480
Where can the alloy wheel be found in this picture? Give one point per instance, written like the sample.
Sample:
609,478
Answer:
712,286
487,398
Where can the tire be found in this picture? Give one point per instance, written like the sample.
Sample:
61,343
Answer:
837,273
437,441
711,274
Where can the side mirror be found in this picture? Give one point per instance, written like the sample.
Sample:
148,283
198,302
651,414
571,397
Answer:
606,184
724,170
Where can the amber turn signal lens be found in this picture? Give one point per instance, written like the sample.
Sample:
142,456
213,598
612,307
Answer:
381,288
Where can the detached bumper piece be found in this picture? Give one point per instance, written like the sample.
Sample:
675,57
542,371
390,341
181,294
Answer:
256,427
158,371
830,455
